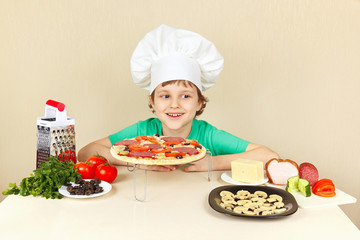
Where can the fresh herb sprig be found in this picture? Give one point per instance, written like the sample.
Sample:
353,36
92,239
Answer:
46,180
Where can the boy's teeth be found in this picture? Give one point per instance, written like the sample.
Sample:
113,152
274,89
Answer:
174,115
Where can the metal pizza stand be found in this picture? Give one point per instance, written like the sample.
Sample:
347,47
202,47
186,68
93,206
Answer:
134,164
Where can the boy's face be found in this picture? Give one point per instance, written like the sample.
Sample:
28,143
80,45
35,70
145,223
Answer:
176,105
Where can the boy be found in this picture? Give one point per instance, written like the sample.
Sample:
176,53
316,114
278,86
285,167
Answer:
176,66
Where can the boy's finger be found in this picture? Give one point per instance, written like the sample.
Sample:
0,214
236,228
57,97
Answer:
190,168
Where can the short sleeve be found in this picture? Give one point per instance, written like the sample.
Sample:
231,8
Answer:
219,142
226,143
125,133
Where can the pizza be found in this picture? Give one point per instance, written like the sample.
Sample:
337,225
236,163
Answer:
158,150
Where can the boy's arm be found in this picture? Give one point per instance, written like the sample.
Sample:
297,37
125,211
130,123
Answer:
223,162
101,147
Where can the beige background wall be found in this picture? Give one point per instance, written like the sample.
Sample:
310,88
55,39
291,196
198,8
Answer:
291,79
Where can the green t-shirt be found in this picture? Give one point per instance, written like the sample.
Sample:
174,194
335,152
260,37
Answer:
217,141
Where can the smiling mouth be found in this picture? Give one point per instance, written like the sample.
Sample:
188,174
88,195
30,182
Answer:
174,114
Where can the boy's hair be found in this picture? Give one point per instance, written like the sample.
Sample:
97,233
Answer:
202,99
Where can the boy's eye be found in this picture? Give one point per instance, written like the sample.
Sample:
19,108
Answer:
165,96
185,96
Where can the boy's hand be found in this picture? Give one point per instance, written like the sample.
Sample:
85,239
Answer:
198,166
160,168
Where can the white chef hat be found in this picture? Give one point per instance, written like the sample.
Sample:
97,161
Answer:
167,53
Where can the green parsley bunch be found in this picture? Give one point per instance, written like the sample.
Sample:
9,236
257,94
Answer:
46,180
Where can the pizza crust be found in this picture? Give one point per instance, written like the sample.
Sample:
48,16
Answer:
159,159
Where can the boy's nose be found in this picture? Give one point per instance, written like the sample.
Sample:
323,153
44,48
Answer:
174,103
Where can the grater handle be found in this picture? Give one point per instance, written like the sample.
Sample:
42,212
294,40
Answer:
54,109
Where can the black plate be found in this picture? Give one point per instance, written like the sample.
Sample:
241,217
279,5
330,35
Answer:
288,199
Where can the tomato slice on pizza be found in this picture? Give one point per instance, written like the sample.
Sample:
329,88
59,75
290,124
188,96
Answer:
139,147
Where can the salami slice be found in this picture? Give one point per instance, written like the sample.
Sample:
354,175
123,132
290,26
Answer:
140,154
126,142
188,150
309,172
173,139
154,146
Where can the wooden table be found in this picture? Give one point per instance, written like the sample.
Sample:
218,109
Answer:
176,207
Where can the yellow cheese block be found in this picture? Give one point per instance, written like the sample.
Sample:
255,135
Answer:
247,171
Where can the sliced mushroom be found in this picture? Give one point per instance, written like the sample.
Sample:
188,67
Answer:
277,197
251,205
232,202
271,200
280,210
258,200
243,202
240,209
226,193
249,212
242,194
266,212
227,206
269,208
259,203
258,211
261,194
279,204
227,198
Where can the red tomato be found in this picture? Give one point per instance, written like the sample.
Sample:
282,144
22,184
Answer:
87,170
324,188
106,172
326,194
322,182
137,147
96,160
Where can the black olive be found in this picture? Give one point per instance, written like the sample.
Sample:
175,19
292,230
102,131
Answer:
78,192
88,192
78,181
179,157
85,187
186,143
